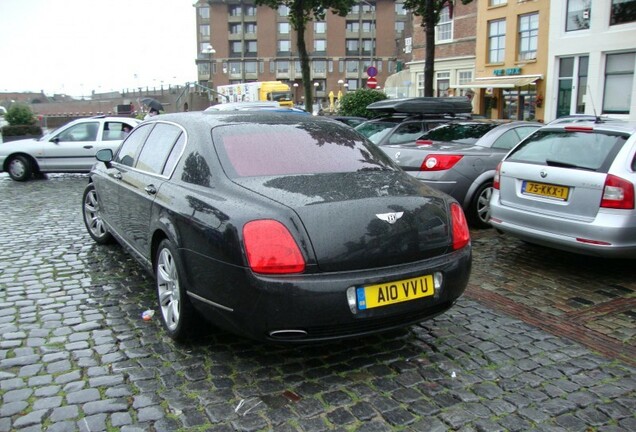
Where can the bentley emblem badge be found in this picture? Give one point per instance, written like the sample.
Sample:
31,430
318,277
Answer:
390,217
543,173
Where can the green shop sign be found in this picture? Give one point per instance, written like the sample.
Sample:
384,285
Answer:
508,71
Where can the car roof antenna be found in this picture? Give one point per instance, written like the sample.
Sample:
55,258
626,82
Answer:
597,118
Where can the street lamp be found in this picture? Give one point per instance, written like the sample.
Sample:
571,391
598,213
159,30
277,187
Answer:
373,30
210,51
316,85
295,93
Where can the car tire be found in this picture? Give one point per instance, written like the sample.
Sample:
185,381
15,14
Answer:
479,210
93,218
19,168
177,313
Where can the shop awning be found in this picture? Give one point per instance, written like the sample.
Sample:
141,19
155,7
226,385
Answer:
501,82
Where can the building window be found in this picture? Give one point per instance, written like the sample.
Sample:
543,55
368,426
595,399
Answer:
619,81
250,67
235,11
367,46
282,67
250,10
204,30
352,84
578,15
353,66
528,35
464,77
204,12
496,41
250,28
284,46
399,26
236,47
498,2
320,45
420,84
368,7
368,26
399,9
444,27
283,11
320,66
443,84
353,26
352,46
320,27
283,28
251,47
261,66
235,67
236,29
623,11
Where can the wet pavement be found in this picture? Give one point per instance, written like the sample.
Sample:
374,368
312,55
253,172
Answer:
542,340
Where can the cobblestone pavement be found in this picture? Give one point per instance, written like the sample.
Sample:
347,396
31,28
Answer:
541,341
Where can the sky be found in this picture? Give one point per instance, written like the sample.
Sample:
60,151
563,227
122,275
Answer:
75,47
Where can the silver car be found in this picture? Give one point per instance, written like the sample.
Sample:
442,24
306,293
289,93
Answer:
70,148
460,158
571,187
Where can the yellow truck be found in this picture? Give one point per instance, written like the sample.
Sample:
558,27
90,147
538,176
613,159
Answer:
256,91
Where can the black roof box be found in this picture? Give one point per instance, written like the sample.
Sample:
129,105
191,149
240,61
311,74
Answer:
424,105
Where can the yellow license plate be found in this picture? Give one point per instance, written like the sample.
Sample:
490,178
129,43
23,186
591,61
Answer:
389,293
546,190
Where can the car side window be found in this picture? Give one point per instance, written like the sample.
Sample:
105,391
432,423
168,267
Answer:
406,133
80,132
113,131
507,140
173,158
155,152
131,146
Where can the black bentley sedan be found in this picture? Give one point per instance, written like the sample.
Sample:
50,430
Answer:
277,227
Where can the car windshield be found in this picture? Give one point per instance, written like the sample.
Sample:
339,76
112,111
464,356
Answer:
460,133
375,131
570,149
271,150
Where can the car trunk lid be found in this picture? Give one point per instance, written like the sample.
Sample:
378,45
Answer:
363,220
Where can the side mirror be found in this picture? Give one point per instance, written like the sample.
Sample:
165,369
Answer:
55,140
105,155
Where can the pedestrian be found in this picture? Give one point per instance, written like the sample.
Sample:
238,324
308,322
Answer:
153,112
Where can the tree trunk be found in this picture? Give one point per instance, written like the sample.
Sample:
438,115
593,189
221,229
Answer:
304,60
429,31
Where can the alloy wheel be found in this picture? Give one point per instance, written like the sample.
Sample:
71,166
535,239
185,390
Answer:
168,289
92,217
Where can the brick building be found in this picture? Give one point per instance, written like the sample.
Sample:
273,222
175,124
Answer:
240,42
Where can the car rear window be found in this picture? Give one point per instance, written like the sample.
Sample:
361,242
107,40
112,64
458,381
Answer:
375,131
460,133
271,150
590,150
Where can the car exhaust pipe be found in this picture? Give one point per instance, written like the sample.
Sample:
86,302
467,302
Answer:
287,334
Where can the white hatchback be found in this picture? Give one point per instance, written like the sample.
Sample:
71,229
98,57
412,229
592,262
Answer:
70,148
571,187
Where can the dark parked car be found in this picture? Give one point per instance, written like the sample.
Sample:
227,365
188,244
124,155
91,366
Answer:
278,227
460,158
405,120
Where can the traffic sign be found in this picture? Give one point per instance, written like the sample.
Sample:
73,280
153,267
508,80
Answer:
372,71
372,82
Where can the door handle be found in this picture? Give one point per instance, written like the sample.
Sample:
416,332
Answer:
117,175
88,146
150,189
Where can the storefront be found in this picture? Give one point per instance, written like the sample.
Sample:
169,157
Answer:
517,97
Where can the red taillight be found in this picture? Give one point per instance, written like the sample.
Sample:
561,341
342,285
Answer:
271,249
461,234
423,142
618,193
579,129
438,162
495,181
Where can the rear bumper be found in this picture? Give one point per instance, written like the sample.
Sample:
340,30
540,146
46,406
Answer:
315,307
612,234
